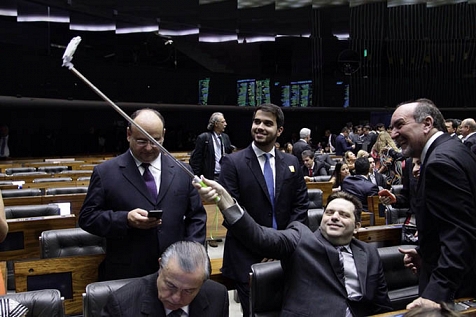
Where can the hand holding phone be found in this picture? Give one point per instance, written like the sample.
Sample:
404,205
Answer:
387,193
155,214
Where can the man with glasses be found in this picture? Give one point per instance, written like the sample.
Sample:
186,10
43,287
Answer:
123,190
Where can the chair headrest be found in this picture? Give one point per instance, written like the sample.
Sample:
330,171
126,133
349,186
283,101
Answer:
45,302
52,179
68,242
27,211
21,192
14,170
66,190
315,198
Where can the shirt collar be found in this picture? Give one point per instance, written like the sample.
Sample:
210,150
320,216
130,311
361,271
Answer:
157,163
260,152
184,308
428,144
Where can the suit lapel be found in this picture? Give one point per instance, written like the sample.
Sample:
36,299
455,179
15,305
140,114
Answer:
167,175
199,305
333,256
360,259
131,173
280,166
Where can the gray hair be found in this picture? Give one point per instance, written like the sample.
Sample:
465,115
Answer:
213,119
304,133
190,256
426,108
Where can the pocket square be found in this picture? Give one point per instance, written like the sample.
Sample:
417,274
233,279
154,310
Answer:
291,168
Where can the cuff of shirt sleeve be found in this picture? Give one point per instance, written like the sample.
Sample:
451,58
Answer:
233,213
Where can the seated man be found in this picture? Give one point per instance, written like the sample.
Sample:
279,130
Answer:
311,167
359,184
180,288
328,273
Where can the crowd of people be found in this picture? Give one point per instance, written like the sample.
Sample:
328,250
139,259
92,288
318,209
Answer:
262,194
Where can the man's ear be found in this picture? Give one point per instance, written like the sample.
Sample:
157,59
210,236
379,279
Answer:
357,227
280,130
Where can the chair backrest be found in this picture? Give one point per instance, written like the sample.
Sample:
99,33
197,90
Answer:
84,178
66,190
266,289
41,303
69,242
14,170
52,179
322,178
52,169
21,192
6,183
96,295
315,198
326,188
401,282
27,211
316,208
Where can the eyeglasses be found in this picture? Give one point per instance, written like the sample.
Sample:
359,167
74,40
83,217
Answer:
142,142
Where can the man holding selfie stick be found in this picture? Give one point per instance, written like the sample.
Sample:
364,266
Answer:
142,202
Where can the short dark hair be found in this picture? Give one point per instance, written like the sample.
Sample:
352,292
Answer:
307,153
362,166
349,197
275,110
454,123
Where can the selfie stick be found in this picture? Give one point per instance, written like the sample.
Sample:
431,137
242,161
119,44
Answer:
68,56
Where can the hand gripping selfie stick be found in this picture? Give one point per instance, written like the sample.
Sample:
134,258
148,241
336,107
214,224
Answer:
68,56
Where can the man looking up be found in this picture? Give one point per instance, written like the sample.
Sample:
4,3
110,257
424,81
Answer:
328,273
270,184
180,288
210,147
122,191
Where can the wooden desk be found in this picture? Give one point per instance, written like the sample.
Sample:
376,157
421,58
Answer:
374,205
82,269
382,235
28,230
217,276
76,201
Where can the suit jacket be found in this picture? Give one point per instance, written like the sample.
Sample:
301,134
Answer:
318,169
446,219
202,159
469,142
361,187
116,187
341,145
140,298
314,284
298,148
380,180
243,179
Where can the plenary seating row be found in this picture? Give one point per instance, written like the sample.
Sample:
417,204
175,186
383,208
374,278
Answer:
35,175
267,281
41,303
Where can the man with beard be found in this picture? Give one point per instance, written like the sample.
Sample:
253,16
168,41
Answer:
269,184
444,205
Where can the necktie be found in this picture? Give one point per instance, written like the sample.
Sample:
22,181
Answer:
149,180
310,172
175,313
350,274
268,177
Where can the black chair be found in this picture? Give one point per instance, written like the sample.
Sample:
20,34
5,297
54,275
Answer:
402,283
69,242
7,193
397,215
316,208
27,211
41,303
322,178
15,170
96,295
66,190
266,289
52,169
52,179
83,178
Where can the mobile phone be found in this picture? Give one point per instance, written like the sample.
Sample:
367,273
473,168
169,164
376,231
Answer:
155,214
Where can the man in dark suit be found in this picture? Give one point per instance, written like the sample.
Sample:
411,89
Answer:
445,205
181,287
302,144
312,167
368,138
359,184
210,147
118,200
343,143
273,203
468,132
376,177
328,273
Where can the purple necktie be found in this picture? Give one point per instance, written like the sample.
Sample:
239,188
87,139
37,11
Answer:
149,180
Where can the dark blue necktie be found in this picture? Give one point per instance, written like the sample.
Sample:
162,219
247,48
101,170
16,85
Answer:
268,177
175,313
149,180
